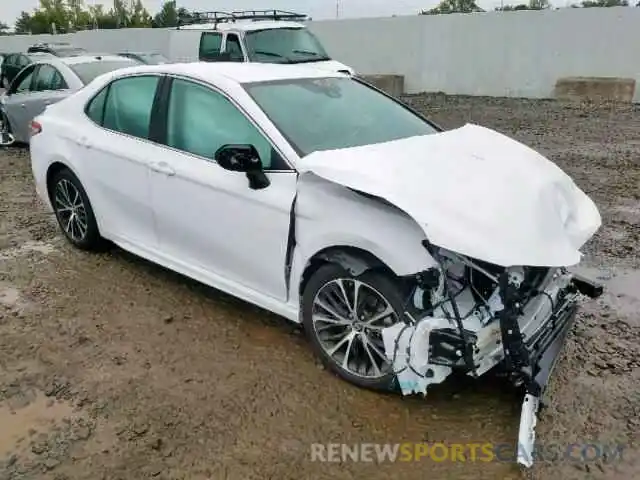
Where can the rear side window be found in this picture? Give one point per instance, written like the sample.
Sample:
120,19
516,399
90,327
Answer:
210,44
87,71
95,109
23,61
48,78
128,105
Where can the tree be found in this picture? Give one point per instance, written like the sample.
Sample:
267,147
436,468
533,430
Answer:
453,6
513,8
23,23
62,16
139,17
168,15
79,18
604,3
538,4
4,28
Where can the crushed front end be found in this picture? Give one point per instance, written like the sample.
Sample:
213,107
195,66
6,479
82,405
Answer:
471,316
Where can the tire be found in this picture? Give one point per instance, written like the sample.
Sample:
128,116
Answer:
81,231
325,281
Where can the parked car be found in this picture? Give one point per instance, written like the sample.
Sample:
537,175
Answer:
318,197
57,49
149,58
47,81
263,36
14,62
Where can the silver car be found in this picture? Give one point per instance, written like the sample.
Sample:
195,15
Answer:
45,82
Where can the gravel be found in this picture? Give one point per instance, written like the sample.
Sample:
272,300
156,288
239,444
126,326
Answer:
117,368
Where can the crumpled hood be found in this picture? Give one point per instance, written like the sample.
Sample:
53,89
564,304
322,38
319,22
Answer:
473,191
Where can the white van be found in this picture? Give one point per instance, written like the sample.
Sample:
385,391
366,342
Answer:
266,36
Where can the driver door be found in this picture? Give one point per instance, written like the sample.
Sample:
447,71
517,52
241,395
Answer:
207,218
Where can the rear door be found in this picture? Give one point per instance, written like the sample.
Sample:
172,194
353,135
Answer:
48,87
17,105
117,147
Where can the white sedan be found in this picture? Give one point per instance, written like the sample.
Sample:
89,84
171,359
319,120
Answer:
406,252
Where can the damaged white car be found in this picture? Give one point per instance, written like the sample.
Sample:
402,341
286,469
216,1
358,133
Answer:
407,252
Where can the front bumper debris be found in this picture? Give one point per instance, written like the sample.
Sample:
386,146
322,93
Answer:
527,339
545,348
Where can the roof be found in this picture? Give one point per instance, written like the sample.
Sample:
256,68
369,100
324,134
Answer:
244,26
246,72
91,58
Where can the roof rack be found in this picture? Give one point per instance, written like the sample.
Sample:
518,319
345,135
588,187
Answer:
194,18
268,15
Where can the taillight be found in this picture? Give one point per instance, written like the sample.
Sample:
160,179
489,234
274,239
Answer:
34,128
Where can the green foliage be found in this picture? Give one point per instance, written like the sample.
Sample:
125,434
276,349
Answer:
62,16
604,3
468,6
453,6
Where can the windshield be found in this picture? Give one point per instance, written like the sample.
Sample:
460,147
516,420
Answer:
89,70
68,51
332,113
284,45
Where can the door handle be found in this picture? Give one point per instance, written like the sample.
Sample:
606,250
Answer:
23,105
162,167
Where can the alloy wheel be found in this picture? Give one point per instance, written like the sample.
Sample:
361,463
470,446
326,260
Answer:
348,317
70,210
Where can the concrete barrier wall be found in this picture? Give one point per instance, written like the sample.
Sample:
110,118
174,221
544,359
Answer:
496,53
519,53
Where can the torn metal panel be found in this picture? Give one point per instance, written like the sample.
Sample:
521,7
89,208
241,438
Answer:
332,216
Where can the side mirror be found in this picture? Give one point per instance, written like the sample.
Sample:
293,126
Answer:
243,158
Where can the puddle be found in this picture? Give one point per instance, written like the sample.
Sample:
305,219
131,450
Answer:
26,248
39,416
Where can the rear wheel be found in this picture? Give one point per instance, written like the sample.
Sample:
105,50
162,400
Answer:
6,137
73,211
343,317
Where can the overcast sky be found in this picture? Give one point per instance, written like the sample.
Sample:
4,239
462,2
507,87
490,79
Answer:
318,9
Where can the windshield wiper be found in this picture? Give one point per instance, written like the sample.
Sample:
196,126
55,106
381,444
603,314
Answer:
271,54
311,60
307,52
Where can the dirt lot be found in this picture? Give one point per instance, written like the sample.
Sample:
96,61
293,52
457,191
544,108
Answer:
113,368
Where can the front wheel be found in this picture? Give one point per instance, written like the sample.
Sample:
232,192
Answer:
73,211
343,317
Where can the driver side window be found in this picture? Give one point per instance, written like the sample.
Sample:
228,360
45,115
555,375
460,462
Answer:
200,121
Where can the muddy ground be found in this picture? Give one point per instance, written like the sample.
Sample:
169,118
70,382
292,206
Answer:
114,368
